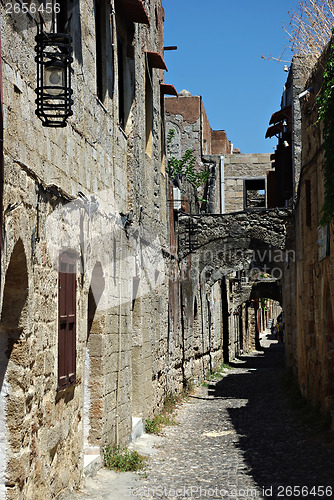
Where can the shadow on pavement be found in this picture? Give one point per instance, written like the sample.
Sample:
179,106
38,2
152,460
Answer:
277,449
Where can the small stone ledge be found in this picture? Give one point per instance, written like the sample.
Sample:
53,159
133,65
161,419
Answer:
92,463
138,428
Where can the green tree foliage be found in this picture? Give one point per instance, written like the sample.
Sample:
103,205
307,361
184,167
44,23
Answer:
186,165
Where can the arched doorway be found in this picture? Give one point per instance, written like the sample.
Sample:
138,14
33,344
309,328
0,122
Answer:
12,356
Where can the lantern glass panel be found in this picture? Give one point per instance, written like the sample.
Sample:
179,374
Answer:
54,76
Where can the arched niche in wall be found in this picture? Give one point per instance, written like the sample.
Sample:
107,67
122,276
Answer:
13,348
175,143
15,290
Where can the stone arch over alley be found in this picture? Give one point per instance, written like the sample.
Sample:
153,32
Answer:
245,254
242,230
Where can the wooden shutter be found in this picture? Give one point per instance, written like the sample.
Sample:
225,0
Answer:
67,320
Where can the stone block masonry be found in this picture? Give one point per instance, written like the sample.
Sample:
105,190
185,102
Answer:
239,168
309,281
103,334
95,188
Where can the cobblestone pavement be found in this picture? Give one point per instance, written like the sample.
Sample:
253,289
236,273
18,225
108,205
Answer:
238,439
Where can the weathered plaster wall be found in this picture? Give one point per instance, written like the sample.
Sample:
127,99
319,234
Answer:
187,116
220,143
183,114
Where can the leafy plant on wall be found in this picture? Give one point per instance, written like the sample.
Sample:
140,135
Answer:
186,165
326,113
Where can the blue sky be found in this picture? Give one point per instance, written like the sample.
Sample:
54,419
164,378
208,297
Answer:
220,43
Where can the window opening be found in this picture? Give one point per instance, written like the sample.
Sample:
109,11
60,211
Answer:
149,112
63,17
121,93
100,55
195,308
254,193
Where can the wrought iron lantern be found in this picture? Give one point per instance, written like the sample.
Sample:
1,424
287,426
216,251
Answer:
54,93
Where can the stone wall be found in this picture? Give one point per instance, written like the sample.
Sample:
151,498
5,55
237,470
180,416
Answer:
183,114
310,346
236,169
195,314
233,234
226,250
213,249
294,86
92,187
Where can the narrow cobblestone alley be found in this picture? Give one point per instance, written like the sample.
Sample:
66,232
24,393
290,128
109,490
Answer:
238,438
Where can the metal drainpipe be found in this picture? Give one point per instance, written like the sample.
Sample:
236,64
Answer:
114,48
222,185
1,156
119,342
201,126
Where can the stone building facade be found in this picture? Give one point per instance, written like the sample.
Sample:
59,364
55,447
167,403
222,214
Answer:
246,252
307,273
309,325
199,304
85,248
102,315
237,183
187,116
286,123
